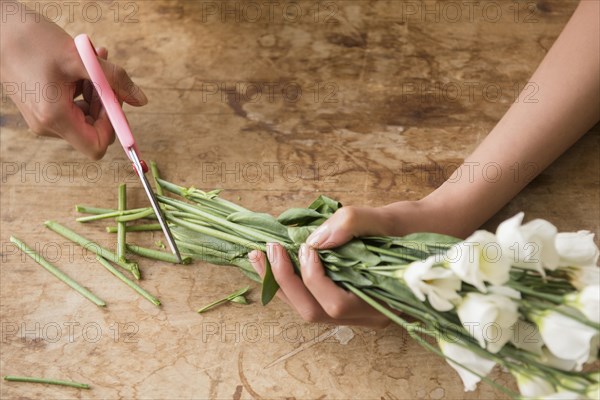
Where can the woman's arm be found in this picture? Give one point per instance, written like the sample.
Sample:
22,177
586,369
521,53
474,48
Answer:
531,133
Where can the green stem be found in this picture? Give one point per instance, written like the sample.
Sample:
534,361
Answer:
219,221
134,217
223,205
225,299
387,252
135,228
154,169
156,254
203,251
215,233
92,246
92,210
122,226
57,273
535,293
110,214
128,281
30,379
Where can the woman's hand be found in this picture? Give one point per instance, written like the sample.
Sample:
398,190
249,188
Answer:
43,74
313,295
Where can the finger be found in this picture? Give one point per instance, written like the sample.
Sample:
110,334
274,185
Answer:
346,224
90,95
257,259
94,98
91,140
103,123
83,106
337,302
102,52
122,84
293,287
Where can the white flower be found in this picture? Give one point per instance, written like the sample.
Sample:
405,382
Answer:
439,284
576,249
559,363
567,338
580,277
489,319
533,386
477,259
530,246
459,357
587,301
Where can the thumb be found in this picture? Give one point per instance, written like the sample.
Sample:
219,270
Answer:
125,89
346,224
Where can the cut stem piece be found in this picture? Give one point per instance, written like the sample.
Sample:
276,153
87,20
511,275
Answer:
57,273
93,247
110,214
30,379
121,226
128,281
136,228
235,297
133,217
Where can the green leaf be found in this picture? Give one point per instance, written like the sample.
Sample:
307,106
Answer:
269,285
350,275
299,234
239,300
301,217
260,221
356,250
325,205
331,258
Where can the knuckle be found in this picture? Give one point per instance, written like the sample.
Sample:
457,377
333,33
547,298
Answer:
44,119
336,309
347,216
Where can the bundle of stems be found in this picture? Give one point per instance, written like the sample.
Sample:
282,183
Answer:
420,283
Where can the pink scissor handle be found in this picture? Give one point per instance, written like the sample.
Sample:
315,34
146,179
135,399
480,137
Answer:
107,95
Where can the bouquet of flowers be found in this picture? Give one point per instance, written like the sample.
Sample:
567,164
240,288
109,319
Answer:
526,298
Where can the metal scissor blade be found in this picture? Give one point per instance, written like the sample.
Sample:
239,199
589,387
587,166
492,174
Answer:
161,219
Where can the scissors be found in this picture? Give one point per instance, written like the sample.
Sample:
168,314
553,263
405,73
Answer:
117,118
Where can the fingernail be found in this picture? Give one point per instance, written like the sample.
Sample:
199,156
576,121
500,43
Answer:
304,253
253,255
318,237
271,252
141,96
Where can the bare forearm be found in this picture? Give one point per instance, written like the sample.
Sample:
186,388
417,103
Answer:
532,134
